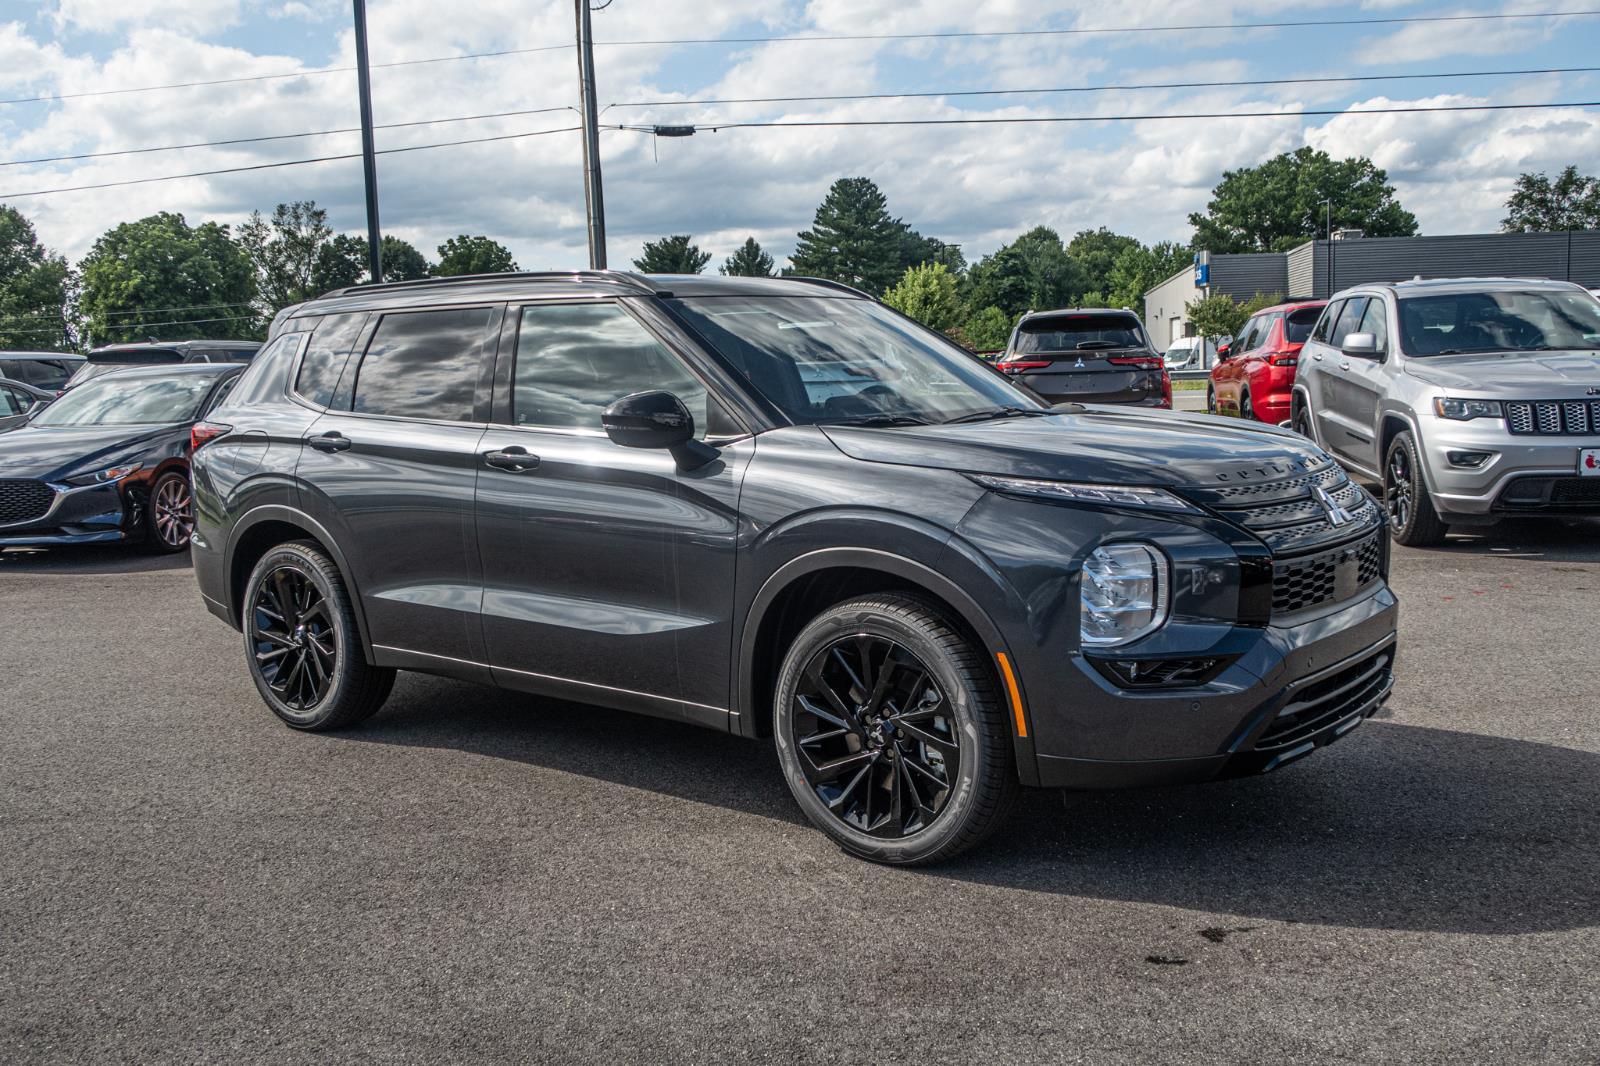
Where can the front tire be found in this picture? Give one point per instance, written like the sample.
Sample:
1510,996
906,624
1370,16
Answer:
1413,521
1211,400
169,517
891,731
1246,408
1302,423
303,645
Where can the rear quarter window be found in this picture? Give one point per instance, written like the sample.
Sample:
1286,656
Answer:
326,355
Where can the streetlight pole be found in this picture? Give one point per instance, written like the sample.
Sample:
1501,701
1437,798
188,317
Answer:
1327,223
369,159
593,197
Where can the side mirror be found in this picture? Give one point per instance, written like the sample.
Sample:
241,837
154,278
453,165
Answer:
1223,351
656,419
1362,344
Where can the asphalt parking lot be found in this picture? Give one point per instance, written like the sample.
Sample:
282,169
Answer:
485,876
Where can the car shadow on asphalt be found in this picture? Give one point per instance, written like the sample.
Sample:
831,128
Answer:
88,559
1553,540
1396,827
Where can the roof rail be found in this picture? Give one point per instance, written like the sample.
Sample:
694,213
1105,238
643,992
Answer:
831,284
623,277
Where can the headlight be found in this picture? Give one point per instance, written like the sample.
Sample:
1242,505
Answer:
101,477
1118,495
1123,593
1464,410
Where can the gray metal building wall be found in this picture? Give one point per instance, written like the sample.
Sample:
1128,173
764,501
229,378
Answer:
1242,276
1563,256
1167,302
1300,270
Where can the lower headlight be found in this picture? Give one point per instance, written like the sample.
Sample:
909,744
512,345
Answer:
1123,594
100,477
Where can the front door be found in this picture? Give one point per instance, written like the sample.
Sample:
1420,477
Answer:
608,571
1364,382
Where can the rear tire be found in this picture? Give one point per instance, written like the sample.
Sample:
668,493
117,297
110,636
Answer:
891,731
303,645
1413,521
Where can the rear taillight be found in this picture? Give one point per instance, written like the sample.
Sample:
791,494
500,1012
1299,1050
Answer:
1166,388
1143,362
1284,358
204,432
1017,366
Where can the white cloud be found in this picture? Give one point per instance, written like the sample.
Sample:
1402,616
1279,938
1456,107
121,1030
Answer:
191,16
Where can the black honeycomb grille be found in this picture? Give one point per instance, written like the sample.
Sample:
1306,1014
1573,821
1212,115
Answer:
23,500
1329,576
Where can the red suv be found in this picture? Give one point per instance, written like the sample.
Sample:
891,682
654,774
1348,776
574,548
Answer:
1255,378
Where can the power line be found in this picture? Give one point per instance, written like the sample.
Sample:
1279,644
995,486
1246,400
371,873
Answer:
1110,88
283,163
277,137
1157,117
815,38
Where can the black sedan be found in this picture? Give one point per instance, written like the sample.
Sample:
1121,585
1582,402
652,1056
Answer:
18,400
109,461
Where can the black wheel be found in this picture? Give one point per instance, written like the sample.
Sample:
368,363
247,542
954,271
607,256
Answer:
1211,400
303,645
892,733
1246,410
1412,518
1302,423
169,522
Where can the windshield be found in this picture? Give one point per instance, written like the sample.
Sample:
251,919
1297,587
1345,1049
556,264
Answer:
1530,321
119,400
827,360
1079,333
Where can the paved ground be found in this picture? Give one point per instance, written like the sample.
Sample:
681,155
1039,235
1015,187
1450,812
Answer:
484,876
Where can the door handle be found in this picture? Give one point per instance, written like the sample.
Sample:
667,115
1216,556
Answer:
1317,356
331,441
1344,364
515,459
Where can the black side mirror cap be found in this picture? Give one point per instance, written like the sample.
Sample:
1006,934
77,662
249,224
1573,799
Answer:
657,419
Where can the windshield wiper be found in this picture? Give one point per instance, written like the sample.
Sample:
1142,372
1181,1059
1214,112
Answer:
880,420
997,412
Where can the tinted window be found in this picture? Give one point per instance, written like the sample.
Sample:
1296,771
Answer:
1500,322
326,355
13,401
1348,318
575,360
1297,324
1077,333
126,399
1325,324
424,364
1376,322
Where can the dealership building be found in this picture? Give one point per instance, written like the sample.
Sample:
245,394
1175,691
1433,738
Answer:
1317,269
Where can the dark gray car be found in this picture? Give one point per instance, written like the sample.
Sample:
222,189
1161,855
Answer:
1087,356
777,508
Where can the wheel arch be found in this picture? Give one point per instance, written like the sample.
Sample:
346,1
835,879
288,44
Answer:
262,529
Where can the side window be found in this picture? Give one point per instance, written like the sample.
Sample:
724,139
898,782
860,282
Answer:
1348,318
1243,341
326,355
575,360
1376,322
220,395
1330,315
13,401
1263,333
424,364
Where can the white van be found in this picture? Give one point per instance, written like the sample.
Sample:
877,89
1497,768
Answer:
1191,353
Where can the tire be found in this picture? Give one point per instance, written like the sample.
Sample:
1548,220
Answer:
893,757
1211,400
169,514
1246,409
307,660
1412,518
1301,423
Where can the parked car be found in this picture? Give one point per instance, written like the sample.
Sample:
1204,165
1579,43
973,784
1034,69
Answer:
1190,353
19,399
109,461
1087,356
120,356
1471,399
42,370
776,507
1256,378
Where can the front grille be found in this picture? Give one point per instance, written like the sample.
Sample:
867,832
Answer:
1575,490
1552,493
1329,576
1288,514
23,500
1324,702
1551,418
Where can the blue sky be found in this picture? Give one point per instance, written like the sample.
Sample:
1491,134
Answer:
976,185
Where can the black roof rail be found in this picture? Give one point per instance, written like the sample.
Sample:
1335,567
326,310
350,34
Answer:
831,284
624,277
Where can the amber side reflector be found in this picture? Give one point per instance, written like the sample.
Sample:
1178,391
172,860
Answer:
1011,692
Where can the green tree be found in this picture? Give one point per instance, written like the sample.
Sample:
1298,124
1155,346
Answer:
748,262
473,255
1539,205
1139,269
1032,273
342,262
986,330
676,254
1096,251
33,288
928,294
853,239
285,251
1220,315
1280,203
159,269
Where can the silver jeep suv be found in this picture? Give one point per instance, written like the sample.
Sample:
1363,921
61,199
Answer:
1470,400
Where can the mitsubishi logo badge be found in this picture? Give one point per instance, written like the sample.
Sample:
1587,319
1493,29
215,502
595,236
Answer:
1337,516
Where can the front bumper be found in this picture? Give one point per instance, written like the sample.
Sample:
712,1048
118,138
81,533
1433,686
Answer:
92,514
1489,490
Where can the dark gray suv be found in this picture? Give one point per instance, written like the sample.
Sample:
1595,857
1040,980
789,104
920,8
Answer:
778,508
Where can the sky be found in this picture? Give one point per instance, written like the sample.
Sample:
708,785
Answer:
975,185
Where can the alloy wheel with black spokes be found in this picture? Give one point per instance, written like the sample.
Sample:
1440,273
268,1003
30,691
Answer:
304,644
875,736
1413,521
1398,488
891,731
171,513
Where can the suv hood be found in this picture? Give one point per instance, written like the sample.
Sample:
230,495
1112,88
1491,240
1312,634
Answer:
1094,443
1524,373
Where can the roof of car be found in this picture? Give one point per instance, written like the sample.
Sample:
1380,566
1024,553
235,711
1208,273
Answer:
177,346
166,370
1077,311
1452,286
511,286
71,357
1292,305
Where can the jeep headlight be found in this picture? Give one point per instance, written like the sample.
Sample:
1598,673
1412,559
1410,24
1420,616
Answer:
1123,594
1466,410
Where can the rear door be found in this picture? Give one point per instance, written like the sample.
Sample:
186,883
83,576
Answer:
391,468
608,571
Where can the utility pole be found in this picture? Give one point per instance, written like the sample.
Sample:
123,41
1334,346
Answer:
593,198
369,159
